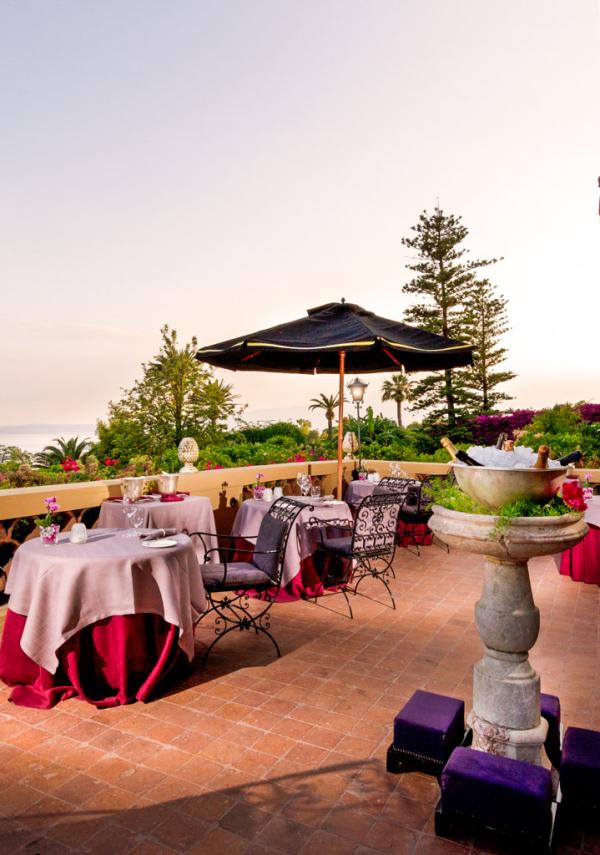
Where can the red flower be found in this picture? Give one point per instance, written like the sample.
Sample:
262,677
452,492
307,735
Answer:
70,465
572,496
110,461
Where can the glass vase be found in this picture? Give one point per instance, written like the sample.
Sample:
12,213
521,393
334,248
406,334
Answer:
49,533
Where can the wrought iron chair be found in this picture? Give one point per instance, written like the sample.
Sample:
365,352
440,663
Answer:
229,585
415,509
368,545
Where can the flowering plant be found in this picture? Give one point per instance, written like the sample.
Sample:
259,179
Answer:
573,496
588,490
70,465
52,507
111,461
259,477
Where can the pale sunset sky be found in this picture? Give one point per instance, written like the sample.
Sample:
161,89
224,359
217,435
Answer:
223,166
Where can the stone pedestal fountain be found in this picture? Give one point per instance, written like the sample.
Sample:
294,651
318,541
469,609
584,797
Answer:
506,690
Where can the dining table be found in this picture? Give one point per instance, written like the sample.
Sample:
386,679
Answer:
183,513
582,562
301,577
109,620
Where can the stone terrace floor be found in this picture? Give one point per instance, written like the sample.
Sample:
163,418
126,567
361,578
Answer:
263,755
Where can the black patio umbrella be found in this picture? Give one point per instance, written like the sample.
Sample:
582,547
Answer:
337,338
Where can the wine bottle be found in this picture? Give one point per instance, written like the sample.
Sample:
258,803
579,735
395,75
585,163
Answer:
542,458
502,437
457,454
573,457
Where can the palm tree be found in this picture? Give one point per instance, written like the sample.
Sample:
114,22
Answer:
73,447
398,390
329,403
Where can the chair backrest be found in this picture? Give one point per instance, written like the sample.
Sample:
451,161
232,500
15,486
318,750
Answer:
374,532
406,488
273,535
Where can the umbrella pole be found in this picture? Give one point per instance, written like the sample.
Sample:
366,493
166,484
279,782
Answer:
340,424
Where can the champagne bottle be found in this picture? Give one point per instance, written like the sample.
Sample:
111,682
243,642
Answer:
509,445
542,458
502,437
573,457
457,454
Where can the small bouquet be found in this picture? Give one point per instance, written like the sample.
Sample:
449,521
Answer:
48,528
259,489
588,490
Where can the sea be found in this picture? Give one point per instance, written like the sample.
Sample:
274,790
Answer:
35,437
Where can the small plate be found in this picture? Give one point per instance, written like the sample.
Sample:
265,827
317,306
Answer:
161,543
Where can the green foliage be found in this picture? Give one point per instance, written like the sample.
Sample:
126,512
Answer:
452,497
561,428
119,437
260,433
444,282
169,461
484,323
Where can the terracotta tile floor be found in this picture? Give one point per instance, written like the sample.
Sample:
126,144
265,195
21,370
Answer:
263,755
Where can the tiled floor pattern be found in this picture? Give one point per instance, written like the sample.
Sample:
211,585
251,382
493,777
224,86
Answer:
258,755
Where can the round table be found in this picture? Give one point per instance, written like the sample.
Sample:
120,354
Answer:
582,562
104,620
192,513
300,577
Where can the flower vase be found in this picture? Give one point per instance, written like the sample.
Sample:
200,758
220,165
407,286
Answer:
259,492
49,533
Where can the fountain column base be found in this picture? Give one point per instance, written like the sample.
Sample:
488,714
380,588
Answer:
509,742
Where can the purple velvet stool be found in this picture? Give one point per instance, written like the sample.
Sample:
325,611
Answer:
550,710
580,768
426,731
484,791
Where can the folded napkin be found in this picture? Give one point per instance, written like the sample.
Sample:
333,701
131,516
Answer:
161,532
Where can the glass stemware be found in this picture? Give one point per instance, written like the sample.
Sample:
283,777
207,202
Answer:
129,510
137,520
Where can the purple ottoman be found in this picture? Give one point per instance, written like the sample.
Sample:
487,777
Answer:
580,768
483,791
550,710
426,731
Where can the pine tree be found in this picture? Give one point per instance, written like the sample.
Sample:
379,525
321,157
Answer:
444,278
484,323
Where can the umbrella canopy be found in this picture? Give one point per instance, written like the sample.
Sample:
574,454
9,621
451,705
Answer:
311,345
335,338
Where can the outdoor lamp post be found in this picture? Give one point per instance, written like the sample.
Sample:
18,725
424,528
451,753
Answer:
357,390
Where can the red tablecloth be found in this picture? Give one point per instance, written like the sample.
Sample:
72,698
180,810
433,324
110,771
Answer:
582,562
115,661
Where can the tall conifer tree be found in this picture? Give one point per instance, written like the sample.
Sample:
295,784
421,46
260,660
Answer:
485,323
444,280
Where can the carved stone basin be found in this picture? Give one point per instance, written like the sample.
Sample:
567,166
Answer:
494,486
506,690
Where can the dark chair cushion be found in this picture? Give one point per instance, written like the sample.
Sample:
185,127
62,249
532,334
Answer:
240,574
550,710
270,536
500,792
339,545
580,766
429,726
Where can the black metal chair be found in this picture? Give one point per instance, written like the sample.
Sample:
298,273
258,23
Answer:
366,548
415,508
230,585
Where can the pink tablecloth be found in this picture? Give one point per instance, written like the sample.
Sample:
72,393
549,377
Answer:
194,513
299,577
63,588
582,562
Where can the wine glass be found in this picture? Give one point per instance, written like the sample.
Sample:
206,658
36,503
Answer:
306,485
128,512
300,479
315,491
137,519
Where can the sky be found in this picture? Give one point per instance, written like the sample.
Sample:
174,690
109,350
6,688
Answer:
223,166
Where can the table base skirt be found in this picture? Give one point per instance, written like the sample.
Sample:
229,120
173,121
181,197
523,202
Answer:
115,661
582,562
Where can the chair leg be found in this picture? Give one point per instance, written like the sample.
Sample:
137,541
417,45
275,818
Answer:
231,629
231,614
